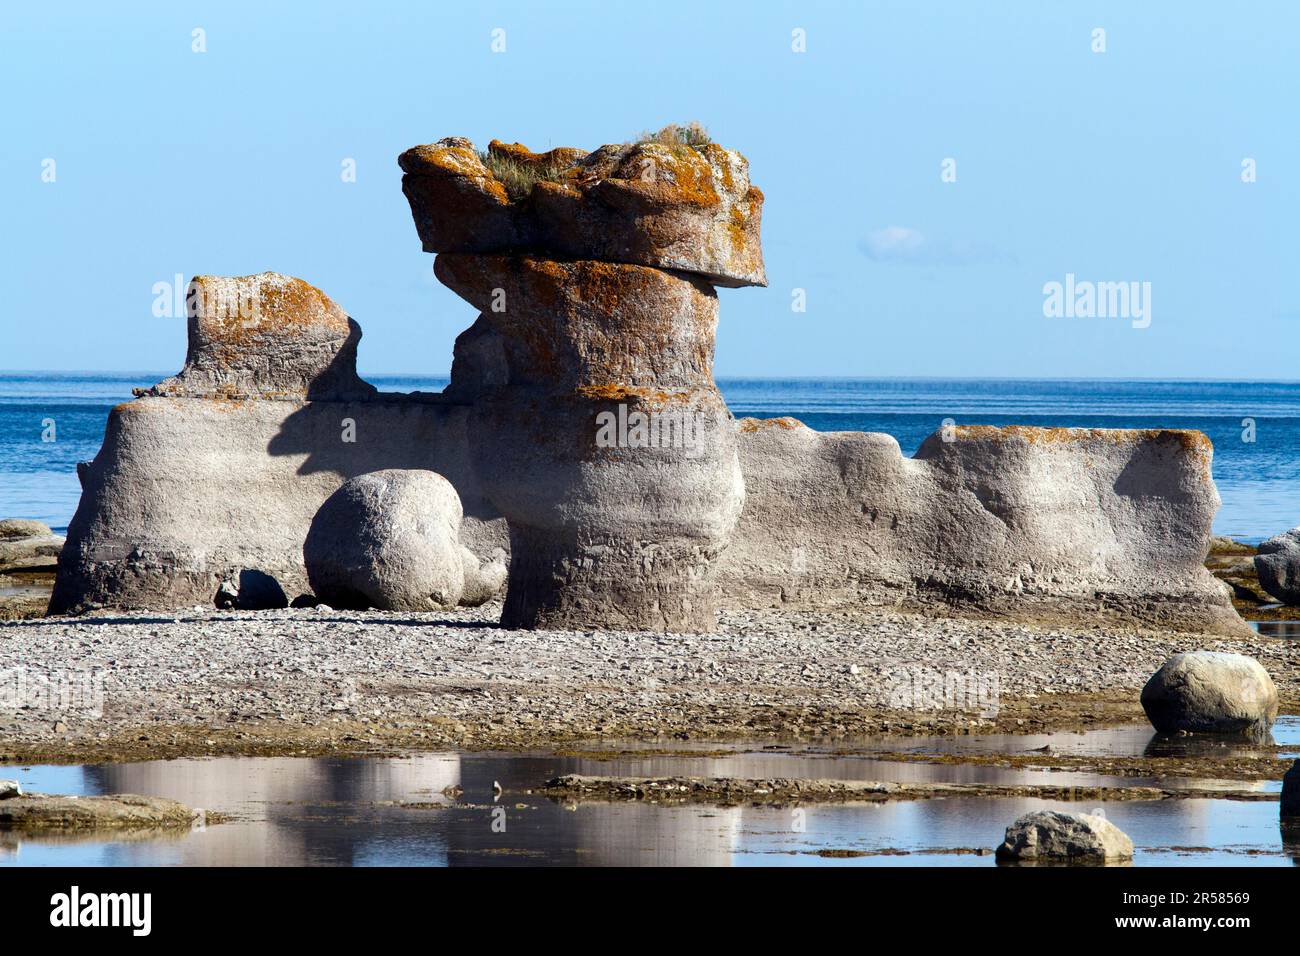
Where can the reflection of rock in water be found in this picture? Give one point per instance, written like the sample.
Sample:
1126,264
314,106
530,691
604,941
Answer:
593,834
12,841
285,808
645,835
1207,745
1291,838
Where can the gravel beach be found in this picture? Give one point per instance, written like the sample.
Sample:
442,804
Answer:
316,681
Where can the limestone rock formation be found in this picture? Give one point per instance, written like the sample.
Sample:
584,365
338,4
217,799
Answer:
1032,523
1211,692
582,408
28,546
389,540
611,526
192,489
686,208
1278,565
591,364
266,336
1048,836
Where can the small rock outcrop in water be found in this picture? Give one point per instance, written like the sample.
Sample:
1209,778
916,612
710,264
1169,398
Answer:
1278,565
28,545
604,441
1049,836
1291,792
40,811
388,540
1211,692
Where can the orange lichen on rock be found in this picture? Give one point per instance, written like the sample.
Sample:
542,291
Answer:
267,336
561,157
1189,439
634,394
756,424
454,157
689,208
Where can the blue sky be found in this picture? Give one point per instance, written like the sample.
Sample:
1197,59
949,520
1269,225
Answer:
1117,166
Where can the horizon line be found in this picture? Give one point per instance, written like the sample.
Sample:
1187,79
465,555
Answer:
159,375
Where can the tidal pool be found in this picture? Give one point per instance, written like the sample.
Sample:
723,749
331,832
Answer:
1287,629
444,809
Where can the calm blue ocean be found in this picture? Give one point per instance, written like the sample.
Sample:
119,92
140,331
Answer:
1258,480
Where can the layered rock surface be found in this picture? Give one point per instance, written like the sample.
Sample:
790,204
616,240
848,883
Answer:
1033,523
607,528
28,546
193,489
1278,566
593,273
686,208
266,336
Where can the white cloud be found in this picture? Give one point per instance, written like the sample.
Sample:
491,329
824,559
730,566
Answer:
905,244
894,242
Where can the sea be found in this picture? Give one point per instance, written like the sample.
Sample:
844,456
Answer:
51,420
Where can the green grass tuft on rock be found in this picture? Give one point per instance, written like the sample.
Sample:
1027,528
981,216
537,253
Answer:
692,134
519,178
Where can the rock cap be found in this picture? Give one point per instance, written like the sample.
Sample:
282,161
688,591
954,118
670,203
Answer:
689,208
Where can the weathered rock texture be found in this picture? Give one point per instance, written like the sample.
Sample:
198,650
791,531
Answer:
686,208
190,492
39,811
1278,566
605,530
186,493
389,540
266,336
28,546
594,273
1211,692
1048,836
1030,523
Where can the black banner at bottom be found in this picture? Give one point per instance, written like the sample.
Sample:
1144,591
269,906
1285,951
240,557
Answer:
334,906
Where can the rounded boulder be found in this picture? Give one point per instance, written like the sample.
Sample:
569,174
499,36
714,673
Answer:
1049,836
1210,692
1278,566
388,540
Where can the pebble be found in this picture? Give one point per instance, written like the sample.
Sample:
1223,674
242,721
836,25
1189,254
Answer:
452,676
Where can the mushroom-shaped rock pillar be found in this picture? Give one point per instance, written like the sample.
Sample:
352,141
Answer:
604,440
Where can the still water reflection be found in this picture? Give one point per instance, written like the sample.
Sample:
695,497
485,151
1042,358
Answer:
385,811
